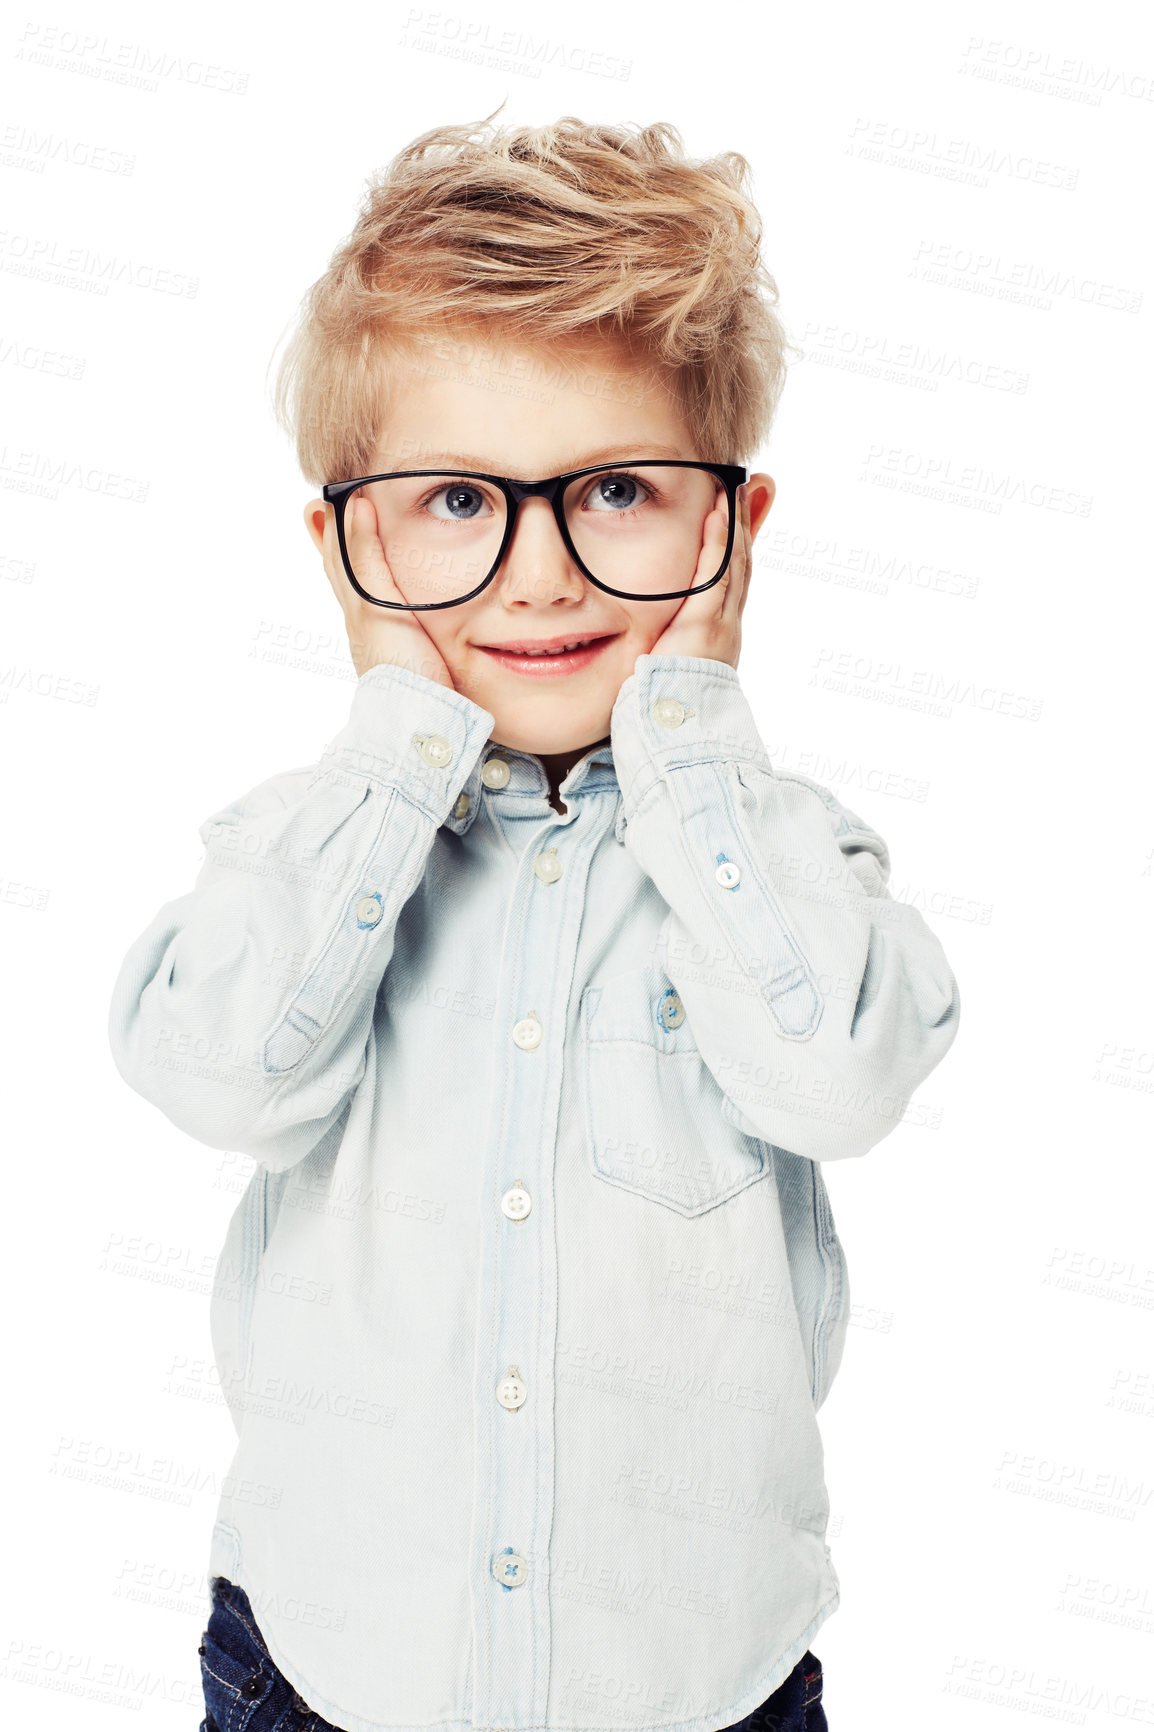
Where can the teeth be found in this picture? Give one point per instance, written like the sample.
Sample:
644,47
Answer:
564,650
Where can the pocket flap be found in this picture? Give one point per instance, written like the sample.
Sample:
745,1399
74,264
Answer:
655,1115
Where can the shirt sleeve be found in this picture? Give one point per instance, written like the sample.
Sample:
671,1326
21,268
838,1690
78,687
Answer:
818,1002
243,1011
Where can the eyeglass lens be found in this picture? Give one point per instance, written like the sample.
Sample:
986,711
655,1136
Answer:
637,529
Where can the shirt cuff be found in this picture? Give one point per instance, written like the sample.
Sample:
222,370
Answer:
675,710
412,734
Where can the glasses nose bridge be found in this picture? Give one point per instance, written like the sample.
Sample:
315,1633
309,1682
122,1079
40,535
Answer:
549,489
517,491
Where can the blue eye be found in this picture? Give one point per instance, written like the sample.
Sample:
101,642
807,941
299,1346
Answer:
458,503
615,493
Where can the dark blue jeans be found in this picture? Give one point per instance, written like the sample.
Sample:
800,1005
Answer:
244,1691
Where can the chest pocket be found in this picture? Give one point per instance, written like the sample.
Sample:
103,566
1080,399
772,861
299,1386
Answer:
656,1120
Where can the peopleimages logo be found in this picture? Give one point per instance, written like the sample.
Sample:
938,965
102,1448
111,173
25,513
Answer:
961,159
877,355
40,473
1024,282
119,62
1041,70
29,148
939,477
474,40
79,267
892,682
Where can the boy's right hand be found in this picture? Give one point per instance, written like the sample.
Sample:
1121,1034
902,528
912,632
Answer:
376,635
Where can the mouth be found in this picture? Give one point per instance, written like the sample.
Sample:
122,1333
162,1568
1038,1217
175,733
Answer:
548,656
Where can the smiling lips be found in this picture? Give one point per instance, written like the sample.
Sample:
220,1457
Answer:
555,655
542,645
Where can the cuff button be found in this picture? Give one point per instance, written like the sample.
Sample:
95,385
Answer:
436,751
669,712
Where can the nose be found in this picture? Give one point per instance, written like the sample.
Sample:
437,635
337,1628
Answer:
537,568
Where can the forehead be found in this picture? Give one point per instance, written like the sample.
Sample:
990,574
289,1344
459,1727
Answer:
454,394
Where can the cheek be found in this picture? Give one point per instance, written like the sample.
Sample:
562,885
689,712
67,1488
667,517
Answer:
449,634
647,622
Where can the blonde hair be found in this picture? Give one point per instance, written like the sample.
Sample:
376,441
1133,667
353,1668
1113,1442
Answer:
542,235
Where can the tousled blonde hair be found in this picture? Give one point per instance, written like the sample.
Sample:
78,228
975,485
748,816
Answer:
542,236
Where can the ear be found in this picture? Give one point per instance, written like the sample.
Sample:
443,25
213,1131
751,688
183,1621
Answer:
759,490
315,521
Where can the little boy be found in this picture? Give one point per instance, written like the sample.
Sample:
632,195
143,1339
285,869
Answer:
526,1312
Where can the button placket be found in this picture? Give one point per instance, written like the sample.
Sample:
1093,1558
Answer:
516,1450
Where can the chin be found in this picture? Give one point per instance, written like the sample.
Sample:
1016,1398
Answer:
544,741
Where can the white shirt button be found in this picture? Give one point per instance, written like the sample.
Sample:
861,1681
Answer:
548,867
369,910
528,1033
516,1202
495,773
670,1010
512,1389
436,750
510,1569
460,805
728,874
669,712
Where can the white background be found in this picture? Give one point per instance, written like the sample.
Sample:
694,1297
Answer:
955,212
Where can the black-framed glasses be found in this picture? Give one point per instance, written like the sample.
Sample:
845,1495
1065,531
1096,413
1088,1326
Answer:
634,528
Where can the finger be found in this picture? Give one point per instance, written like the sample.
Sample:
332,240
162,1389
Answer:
741,563
331,560
743,547
702,606
730,587
366,553
408,644
713,534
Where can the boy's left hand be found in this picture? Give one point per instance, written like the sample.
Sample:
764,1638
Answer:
709,623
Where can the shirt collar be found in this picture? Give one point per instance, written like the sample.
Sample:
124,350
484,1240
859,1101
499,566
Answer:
528,780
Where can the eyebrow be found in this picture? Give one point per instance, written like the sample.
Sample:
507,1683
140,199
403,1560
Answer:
638,448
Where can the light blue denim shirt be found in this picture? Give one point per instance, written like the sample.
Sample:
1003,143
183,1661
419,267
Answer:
526,1313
